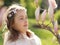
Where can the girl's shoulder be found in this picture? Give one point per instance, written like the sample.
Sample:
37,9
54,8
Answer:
30,31
35,37
6,35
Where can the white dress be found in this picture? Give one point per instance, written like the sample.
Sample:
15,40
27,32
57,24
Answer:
33,40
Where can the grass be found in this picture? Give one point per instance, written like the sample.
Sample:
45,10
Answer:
45,36
1,41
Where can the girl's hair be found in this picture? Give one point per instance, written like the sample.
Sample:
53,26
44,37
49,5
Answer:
9,18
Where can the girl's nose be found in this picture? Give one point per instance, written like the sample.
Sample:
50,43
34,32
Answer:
26,21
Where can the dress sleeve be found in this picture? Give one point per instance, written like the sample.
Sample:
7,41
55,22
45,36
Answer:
38,40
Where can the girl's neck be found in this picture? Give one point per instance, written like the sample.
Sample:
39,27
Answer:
28,34
23,33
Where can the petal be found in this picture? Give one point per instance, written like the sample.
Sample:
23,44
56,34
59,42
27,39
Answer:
51,13
37,13
43,16
56,27
52,3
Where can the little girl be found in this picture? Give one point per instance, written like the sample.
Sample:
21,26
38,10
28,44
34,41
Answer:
17,24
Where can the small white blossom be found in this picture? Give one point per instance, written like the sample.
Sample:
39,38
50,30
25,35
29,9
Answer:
10,15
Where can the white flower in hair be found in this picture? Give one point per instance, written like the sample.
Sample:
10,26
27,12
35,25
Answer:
10,15
14,10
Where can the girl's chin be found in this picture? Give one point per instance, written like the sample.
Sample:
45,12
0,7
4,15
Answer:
25,27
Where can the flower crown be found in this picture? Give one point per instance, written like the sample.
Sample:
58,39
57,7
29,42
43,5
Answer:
11,13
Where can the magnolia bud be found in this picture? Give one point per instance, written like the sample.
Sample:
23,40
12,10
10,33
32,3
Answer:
36,1
43,16
56,27
37,13
51,13
52,3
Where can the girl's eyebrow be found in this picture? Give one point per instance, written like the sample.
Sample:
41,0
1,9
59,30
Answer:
23,16
20,16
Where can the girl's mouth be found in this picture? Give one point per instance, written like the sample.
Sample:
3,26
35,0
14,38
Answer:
25,25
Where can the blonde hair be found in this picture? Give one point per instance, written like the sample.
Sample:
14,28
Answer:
12,8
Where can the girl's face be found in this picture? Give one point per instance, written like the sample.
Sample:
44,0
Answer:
21,21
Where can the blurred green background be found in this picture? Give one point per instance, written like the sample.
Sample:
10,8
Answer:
45,36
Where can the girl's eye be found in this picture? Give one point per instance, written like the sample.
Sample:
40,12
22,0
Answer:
21,18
